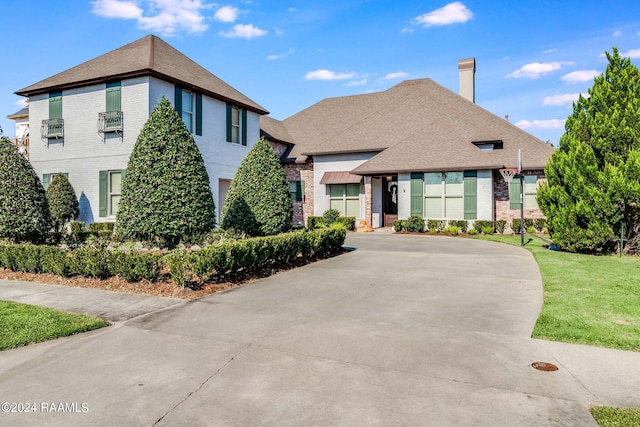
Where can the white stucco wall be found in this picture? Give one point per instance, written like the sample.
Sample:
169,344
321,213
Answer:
485,195
335,163
404,195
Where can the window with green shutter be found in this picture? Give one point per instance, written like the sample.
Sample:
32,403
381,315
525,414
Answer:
470,195
514,193
236,125
114,98
296,190
110,192
55,105
416,191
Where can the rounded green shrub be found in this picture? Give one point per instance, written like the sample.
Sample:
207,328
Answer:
258,202
330,216
63,203
24,210
166,196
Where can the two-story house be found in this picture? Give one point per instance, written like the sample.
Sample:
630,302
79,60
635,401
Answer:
84,121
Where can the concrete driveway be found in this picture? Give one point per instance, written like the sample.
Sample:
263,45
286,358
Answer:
403,330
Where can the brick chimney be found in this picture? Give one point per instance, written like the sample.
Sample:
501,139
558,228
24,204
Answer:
467,69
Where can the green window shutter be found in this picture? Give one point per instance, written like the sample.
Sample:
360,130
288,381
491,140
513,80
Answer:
198,114
416,193
229,112
244,127
302,191
46,179
55,105
514,193
470,197
113,96
102,204
298,191
178,100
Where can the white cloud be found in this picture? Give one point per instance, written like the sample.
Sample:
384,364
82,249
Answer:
537,69
226,14
291,9
541,124
406,30
328,75
280,55
633,53
397,75
580,76
245,31
164,16
563,99
617,33
453,13
22,102
357,83
550,50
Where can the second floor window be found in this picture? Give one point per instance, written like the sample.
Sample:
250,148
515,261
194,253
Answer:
236,125
189,105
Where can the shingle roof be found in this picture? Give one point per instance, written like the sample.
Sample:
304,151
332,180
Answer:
20,114
149,55
416,125
275,130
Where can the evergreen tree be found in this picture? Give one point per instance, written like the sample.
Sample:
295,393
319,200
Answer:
24,211
63,203
259,201
593,179
166,196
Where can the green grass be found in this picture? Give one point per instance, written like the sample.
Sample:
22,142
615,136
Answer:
616,417
588,299
22,324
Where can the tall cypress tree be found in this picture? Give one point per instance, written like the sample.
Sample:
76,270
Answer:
166,195
258,201
24,211
593,188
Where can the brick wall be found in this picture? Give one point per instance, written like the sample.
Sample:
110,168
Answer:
501,197
301,172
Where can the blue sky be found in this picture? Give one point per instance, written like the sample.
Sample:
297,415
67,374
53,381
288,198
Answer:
533,57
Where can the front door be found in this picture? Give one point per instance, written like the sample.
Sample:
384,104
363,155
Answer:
390,199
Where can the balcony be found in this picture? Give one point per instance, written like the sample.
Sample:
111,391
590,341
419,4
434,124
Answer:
110,121
52,128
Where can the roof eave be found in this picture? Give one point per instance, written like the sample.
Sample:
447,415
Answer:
327,153
132,74
382,171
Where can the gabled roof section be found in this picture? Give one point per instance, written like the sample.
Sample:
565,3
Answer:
149,55
275,130
23,113
417,125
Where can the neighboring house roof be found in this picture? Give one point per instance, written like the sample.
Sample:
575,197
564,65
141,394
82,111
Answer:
148,56
21,114
416,125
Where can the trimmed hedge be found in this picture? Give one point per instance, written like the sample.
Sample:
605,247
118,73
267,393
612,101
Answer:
185,267
250,254
481,224
314,222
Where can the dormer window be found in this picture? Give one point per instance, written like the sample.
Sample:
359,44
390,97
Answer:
488,145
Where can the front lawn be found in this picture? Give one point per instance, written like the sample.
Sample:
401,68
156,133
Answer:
616,417
588,299
22,324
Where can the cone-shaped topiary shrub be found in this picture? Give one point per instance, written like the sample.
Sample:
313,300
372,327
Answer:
258,202
166,196
24,211
63,203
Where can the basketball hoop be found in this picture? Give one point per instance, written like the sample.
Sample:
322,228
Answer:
508,173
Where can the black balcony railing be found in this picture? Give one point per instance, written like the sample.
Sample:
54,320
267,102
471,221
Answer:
110,121
52,128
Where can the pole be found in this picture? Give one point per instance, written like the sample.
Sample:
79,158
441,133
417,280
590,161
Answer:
621,238
521,209
521,197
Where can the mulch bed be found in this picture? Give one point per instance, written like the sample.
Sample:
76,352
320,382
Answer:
165,288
